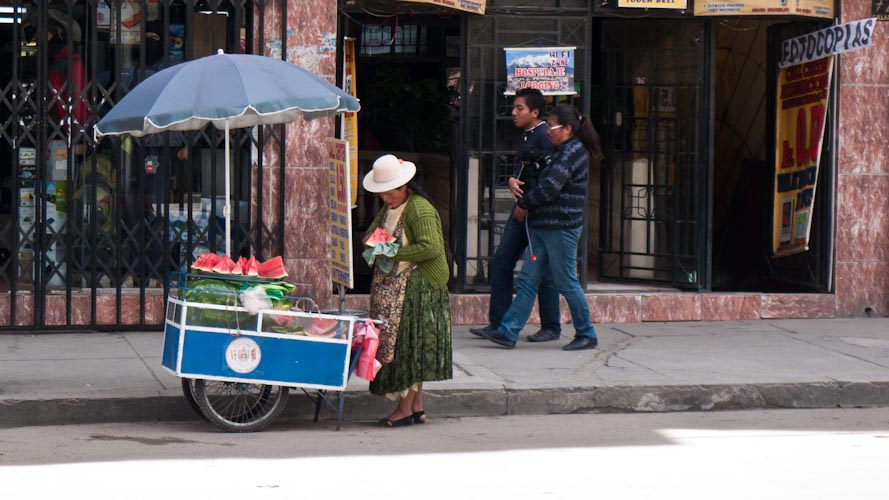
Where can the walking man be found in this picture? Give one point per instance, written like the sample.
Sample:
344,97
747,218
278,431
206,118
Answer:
527,109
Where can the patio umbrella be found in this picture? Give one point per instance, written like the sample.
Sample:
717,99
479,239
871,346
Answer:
229,91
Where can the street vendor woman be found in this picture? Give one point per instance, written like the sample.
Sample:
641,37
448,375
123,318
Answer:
412,296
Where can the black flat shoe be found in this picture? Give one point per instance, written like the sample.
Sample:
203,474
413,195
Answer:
419,417
498,337
581,343
401,422
480,332
544,336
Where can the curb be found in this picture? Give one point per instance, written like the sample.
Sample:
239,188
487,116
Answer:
452,403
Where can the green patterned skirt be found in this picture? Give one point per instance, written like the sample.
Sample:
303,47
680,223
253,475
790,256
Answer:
423,346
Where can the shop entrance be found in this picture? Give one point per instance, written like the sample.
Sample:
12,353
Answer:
407,77
656,174
745,95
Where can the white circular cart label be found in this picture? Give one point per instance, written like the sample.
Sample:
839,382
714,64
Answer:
243,355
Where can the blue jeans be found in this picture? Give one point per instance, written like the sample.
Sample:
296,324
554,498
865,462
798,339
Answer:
556,252
511,249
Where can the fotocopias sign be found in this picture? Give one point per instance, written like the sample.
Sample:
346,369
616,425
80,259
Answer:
807,65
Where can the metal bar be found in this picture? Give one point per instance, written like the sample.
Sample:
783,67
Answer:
262,131
42,88
18,93
461,177
283,145
706,147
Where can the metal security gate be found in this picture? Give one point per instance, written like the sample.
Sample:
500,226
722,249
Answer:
489,134
89,230
656,172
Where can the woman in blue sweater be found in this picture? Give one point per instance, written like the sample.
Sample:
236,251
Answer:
554,210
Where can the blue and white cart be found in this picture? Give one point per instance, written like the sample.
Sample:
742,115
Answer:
237,367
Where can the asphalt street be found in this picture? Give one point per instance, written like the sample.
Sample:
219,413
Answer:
763,454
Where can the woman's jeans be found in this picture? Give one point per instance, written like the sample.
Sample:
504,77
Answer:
556,252
512,247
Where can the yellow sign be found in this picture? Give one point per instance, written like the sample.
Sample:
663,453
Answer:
474,6
801,115
349,124
809,8
340,203
654,4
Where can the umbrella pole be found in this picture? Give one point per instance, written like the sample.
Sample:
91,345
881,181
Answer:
226,210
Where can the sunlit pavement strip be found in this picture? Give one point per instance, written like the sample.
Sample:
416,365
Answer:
696,464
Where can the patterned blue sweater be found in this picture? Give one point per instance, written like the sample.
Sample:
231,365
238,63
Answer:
559,198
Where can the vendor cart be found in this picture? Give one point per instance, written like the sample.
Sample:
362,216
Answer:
237,366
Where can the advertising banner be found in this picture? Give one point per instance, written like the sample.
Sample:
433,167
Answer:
809,8
880,10
547,69
340,213
801,116
474,6
349,123
846,37
654,4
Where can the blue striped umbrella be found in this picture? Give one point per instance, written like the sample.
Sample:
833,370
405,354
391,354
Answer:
229,91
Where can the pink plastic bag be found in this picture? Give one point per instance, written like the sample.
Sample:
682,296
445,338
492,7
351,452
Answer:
368,337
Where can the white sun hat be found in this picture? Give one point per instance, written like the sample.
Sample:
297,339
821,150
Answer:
389,172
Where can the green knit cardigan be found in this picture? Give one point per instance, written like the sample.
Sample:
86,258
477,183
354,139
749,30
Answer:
422,225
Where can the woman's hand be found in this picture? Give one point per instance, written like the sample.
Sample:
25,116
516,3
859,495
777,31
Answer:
515,188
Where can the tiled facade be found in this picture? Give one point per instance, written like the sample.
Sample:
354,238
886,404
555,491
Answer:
862,221
862,218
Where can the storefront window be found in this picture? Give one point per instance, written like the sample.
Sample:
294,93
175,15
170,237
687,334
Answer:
77,213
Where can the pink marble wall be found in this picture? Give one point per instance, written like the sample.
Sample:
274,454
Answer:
671,307
80,309
718,307
862,258
615,308
24,309
310,42
796,305
469,309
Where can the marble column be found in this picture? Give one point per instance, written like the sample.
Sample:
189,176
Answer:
862,223
310,42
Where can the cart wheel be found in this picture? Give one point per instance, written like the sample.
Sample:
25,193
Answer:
188,391
239,406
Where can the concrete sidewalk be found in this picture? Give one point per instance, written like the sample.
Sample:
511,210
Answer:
114,377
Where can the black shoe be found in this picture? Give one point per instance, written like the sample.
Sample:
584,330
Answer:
580,343
498,337
401,422
479,332
544,336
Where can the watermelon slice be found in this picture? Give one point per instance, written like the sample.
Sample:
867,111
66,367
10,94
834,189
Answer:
252,267
322,327
225,266
379,235
206,262
199,262
272,268
237,270
242,265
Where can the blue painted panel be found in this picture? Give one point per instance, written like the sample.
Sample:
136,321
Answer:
282,360
171,347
